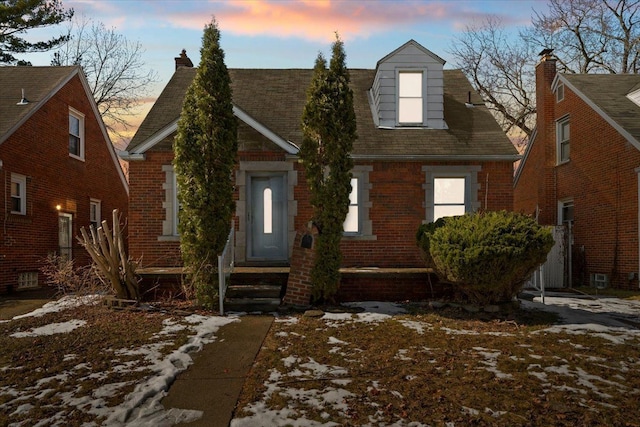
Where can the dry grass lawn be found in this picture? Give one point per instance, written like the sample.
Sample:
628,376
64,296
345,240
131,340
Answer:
443,368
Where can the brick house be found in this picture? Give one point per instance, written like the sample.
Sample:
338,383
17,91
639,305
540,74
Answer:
59,169
582,168
427,147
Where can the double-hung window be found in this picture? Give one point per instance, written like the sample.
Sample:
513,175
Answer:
560,93
76,134
357,225
448,196
450,190
565,212
94,213
563,139
410,97
352,222
18,194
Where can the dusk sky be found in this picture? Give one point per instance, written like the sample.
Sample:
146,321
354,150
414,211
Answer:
287,33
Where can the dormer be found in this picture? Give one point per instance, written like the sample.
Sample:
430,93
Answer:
408,89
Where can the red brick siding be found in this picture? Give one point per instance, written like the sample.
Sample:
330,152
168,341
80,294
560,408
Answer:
39,151
146,197
599,177
398,208
601,180
396,194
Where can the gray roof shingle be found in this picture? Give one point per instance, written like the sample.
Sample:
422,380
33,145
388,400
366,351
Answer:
38,84
276,97
609,93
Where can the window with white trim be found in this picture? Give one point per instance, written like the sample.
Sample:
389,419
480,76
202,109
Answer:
95,217
450,191
560,92
565,212
410,97
563,139
76,134
18,194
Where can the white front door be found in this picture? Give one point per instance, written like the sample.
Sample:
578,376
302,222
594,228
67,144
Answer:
267,218
65,234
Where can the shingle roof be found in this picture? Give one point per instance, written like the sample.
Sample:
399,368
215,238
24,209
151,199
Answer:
38,83
609,93
276,97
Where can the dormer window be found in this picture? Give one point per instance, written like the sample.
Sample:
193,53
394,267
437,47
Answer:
410,93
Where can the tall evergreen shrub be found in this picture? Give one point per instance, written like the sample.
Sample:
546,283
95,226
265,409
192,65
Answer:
329,128
205,153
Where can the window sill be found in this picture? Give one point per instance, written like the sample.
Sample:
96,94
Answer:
73,156
168,238
564,162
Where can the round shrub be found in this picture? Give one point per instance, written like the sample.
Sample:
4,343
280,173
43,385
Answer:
488,256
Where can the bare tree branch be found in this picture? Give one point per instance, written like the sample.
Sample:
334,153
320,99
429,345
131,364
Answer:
588,36
114,69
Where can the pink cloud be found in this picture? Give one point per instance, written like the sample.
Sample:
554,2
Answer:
314,20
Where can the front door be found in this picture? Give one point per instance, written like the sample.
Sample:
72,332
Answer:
65,234
267,218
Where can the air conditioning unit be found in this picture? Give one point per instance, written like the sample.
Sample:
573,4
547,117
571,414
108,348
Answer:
599,281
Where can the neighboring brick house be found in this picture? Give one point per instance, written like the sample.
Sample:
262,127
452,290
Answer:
427,147
59,169
582,167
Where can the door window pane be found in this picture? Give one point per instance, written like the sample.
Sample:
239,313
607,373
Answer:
267,211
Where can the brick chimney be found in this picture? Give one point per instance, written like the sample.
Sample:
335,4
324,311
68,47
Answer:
545,99
183,60
546,136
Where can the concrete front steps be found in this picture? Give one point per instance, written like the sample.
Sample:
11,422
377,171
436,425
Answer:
251,291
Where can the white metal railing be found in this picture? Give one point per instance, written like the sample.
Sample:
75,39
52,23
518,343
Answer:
226,261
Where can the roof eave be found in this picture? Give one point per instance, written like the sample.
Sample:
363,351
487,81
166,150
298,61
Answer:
436,157
172,127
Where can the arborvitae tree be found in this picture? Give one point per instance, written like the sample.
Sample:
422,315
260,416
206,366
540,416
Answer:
206,147
329,128
19,16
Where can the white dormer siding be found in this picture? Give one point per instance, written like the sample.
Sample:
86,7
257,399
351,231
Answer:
396,107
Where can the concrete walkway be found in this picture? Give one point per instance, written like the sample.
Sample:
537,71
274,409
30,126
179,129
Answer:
214,381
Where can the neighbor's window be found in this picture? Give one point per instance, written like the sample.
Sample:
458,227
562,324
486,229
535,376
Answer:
94,213
76,134
565,212
352,221
410,97
448,197
563,139
18,194
560,92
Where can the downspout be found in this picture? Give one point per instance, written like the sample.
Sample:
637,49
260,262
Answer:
637,170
